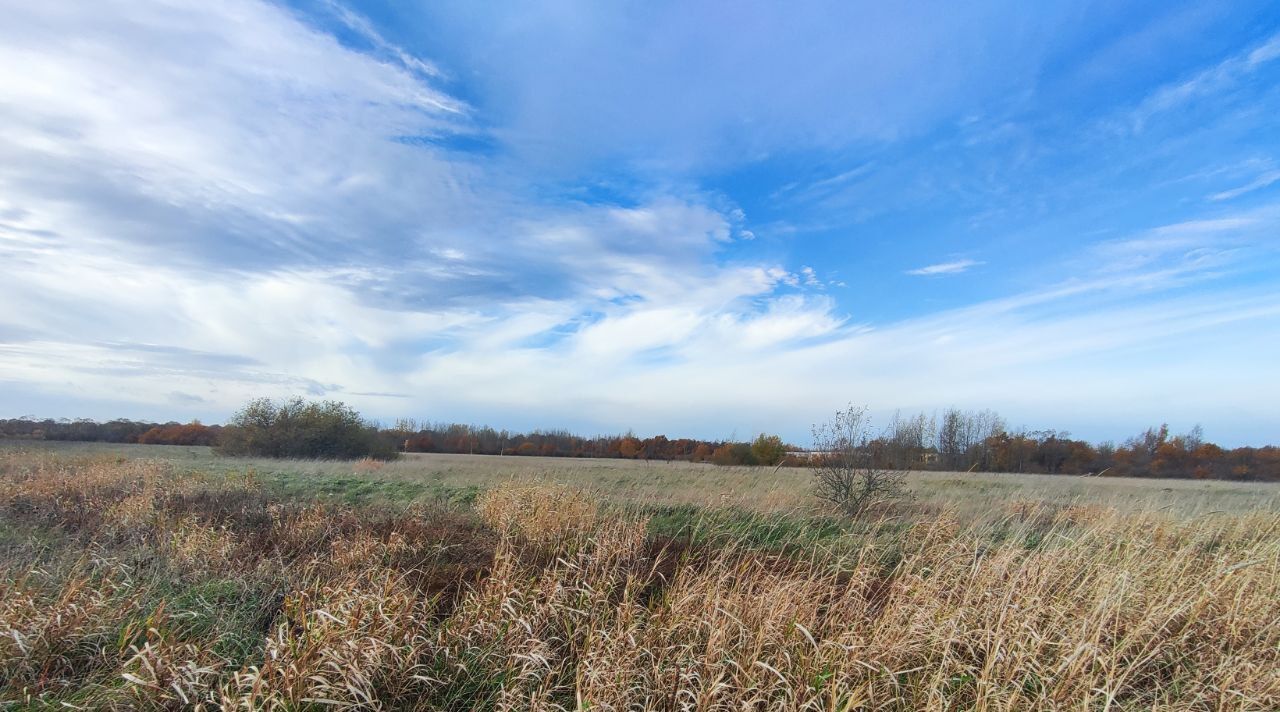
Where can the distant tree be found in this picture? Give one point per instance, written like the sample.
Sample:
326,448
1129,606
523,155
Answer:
1146,445
193,433
951,439
846,470
965,438
419,443
630,447
657,447
768,449
327,430
733,454
908,440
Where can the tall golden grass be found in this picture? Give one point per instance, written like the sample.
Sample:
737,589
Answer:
127,585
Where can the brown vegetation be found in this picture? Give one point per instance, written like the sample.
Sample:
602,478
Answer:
127,585
193,433
113,431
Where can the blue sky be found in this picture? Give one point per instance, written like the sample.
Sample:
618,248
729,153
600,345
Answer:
700,219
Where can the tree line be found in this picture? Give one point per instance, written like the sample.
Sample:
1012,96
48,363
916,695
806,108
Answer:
111,431
457,438
955,440
981,440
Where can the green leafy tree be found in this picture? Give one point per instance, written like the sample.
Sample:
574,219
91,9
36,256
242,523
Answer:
768,449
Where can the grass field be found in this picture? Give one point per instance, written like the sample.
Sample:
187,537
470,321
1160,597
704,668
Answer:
436,477
168,578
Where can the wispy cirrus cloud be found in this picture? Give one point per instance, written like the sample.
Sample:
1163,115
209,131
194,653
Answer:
1262,181
1208,81
363,27
953,267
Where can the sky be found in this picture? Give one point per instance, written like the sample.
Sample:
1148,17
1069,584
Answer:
703,219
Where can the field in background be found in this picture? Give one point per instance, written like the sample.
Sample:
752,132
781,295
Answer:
442,478
146,577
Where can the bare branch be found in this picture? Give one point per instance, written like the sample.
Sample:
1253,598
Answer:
847,470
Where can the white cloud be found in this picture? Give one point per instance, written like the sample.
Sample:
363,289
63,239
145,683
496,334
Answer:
365,29
726,373
721,346
227,133
1258,183
1264,53
1172,253
1207,82
152,248
955,267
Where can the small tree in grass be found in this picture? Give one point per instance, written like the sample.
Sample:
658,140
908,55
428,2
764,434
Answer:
846,469
768,449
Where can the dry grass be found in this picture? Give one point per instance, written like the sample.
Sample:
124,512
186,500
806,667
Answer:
761,489
431,477
137,585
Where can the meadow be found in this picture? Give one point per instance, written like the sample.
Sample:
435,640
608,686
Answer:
150,577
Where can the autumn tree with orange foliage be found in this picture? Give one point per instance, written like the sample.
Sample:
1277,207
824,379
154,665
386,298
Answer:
193,433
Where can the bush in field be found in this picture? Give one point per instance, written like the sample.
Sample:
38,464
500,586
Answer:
327,430
733,454
847,471
768,449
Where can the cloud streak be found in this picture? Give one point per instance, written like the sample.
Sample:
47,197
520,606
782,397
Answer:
954,267
1206,82
1265,180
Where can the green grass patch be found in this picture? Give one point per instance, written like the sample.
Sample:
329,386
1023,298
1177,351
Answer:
235,614
783,533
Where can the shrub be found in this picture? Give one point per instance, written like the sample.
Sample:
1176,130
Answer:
847,472
733,454
327,430
768,449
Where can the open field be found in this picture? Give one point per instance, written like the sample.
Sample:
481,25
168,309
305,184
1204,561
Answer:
436,477
167,578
